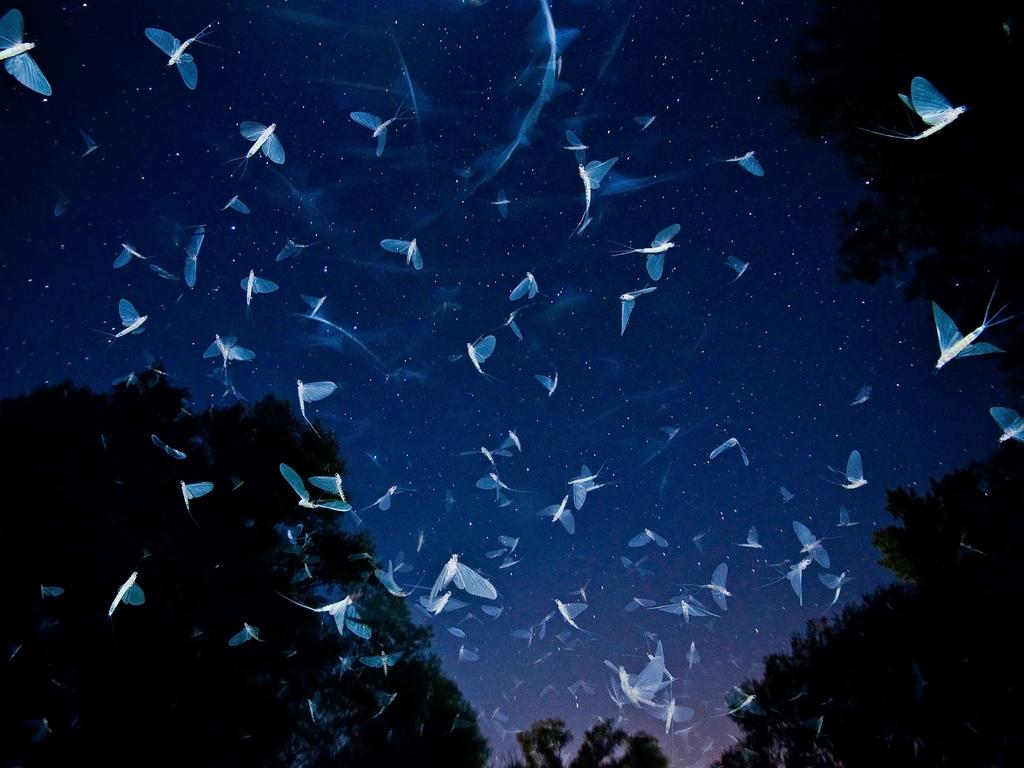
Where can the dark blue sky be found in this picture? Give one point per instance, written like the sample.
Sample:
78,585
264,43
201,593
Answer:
772,359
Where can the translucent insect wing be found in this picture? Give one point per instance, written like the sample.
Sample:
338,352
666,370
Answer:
294,480
665,235
251,130
273,149
317,390
930,105
854,467
366,120
165,41
946,329
188,71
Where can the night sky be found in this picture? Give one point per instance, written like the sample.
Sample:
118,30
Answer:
773,359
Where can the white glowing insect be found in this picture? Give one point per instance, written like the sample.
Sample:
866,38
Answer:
854,475
344,613
549,383
732,442
191,491
656,252
569,612
560,513
810,544
954,345
192,247
174,453
263,138
749,163
1010,422
628,302
311,393
862,395
130,319
465,578
14,53
228,349
126,254
479,351
844,519
378,126
645,537
932,107
502,203
235,204
244,635
252,284
752,542
527,287
384,661
832,581
295,481
591,175
407,248
128,593
644,121
90,145
737,266
175,49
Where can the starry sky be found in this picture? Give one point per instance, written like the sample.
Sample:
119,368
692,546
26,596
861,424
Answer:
773,358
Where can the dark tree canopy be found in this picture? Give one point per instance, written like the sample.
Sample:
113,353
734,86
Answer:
924,673
89,499
605,745
951,206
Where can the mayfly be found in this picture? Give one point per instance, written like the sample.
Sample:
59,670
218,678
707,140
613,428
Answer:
126,254
291,248
175,49
954,345
732,442
502,203
14,53
293,479
1010,422
854,475
128,593
253,284
228,349
560,513
344,613
383,661
645,537
244,635
549,383
90,145
862,395
655,253
479,351
192,247
174,453
832,581
628,302
570,611
263,138
753,541
191,491
465,578
748,162
737,266
130,319
810,544
644,121
527,287
591,175
927,103
844,519
235,204
378,126
407,248
310,393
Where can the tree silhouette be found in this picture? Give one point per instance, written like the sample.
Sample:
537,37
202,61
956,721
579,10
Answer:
605,745
90,499
923,673
949,206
